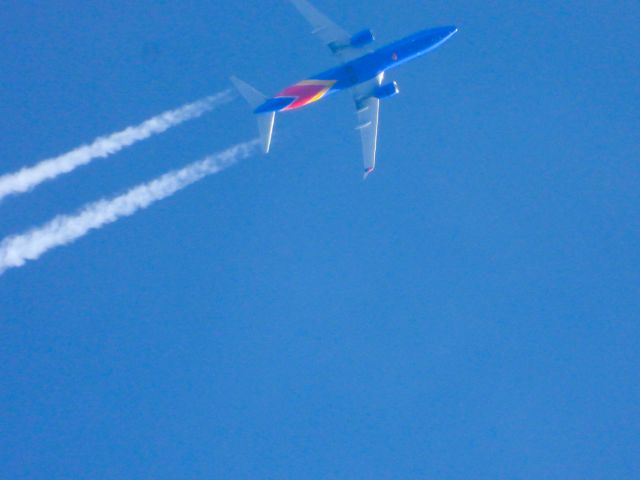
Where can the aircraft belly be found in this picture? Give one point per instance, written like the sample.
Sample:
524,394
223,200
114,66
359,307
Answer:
306,92
353,73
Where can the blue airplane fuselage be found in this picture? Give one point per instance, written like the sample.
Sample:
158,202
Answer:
357,71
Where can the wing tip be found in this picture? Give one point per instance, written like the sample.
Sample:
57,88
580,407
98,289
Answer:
367,172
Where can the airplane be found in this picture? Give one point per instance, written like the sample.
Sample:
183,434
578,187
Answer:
361,70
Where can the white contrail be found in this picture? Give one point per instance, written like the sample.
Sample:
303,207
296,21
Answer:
29,177
63,229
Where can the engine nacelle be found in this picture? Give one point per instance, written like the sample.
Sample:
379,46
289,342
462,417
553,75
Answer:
362,39
386,91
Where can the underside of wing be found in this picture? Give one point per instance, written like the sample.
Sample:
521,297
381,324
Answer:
335,37
368,109
368,126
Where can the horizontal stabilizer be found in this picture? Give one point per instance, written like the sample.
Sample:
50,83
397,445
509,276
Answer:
265,127
265,120
250,94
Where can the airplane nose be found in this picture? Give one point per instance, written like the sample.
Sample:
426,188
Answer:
434,37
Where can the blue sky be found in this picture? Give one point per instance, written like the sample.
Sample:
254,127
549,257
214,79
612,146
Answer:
469,311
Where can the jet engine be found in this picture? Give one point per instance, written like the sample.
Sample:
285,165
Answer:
362,39
386,91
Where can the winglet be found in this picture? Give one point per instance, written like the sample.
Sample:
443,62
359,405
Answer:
265,120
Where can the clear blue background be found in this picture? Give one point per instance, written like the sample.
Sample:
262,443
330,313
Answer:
471,311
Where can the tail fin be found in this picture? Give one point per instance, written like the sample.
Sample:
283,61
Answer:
255,99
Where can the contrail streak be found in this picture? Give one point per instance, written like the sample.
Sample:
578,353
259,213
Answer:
29,177
16,250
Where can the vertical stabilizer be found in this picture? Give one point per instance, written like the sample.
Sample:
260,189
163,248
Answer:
265,120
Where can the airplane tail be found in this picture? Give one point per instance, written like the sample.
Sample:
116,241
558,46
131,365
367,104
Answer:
265,120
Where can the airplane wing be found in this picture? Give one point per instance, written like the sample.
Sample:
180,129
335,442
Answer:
335,37
368,109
